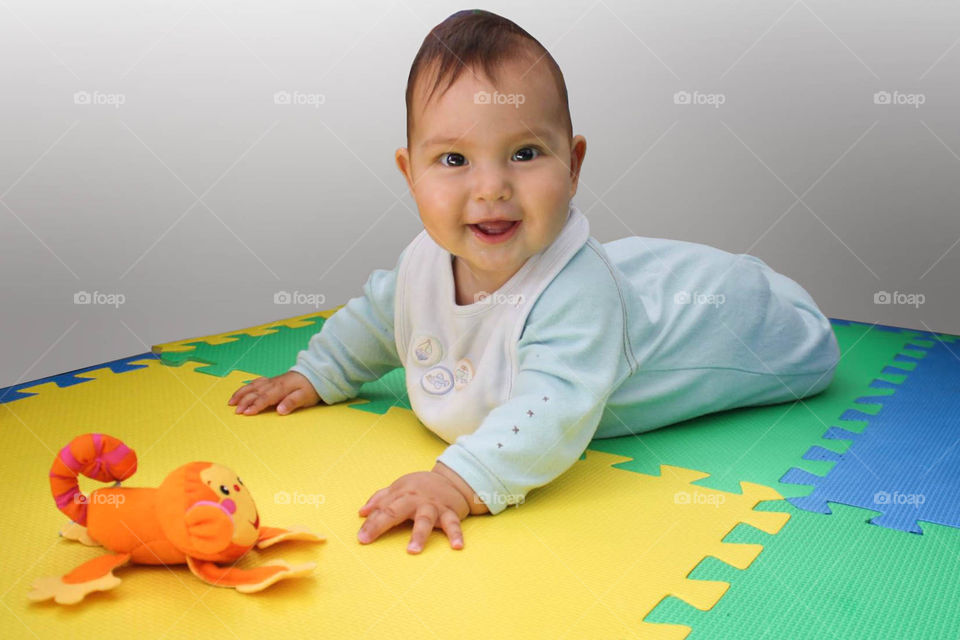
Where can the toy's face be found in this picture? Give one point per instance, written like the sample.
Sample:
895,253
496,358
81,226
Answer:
235,498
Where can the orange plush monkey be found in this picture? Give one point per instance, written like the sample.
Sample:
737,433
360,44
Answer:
201,514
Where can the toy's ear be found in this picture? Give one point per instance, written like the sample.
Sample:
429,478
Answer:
209,527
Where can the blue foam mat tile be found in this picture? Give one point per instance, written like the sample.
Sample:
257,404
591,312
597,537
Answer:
905,464
121,365
836,433
819,453
853,415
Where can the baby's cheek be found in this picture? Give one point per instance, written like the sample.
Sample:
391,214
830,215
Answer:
441,200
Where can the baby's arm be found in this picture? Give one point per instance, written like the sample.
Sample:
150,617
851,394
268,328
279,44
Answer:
568,365
355,345
571,358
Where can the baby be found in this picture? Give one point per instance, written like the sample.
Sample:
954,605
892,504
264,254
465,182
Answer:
522,337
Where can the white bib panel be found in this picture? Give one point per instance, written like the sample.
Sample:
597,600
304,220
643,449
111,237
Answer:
461,360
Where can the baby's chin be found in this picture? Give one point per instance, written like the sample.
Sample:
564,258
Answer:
502,263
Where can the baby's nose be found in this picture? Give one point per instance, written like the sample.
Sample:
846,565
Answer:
236,488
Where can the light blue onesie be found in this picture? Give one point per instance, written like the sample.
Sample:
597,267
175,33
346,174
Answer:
586,340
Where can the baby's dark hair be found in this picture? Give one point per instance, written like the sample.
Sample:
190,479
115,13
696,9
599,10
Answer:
478,39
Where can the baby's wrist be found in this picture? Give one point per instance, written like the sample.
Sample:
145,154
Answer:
475,505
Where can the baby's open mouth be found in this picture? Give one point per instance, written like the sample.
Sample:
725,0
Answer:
495,229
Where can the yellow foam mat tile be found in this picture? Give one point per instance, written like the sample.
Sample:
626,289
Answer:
589,555
295,322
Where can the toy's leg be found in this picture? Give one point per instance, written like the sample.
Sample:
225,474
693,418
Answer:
78,532
93,575
273,535
247,580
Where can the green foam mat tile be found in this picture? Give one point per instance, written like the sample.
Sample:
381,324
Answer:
759,444
829,576
265,355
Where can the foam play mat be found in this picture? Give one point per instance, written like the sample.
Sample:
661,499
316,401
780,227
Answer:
835,516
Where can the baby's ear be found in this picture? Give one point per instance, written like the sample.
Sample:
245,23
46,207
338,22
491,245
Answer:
578,150
402,158
209,527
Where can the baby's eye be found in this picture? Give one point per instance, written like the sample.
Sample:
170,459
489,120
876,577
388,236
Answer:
224,490
526,153
457,160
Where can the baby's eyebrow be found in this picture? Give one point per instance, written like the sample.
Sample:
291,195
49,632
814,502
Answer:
542,134
447,140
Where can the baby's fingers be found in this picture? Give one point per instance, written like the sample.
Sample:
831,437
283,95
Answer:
423,523
372,501
451,526
239,393
385,518
256,401
294,400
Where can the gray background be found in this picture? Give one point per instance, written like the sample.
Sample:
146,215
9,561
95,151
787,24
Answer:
200,197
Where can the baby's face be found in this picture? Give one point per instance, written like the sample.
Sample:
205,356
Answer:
500,156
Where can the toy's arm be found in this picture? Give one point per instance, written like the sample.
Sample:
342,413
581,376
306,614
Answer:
272,535
93,575
247,580
74,531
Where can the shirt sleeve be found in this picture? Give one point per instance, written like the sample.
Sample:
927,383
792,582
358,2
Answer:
356,344
568,365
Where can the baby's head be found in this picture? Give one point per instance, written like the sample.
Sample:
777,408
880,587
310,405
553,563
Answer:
489,137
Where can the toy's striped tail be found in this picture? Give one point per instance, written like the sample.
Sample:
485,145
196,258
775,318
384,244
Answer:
95,455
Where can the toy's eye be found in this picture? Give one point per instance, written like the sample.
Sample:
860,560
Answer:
239,480
224,490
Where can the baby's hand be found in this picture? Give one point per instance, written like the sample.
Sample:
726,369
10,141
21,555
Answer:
426,497
291,390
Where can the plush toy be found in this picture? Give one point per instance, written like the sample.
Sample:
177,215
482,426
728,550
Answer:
201,514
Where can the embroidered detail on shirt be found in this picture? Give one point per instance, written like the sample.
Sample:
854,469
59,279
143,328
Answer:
462,373
427,350
437,381
529,413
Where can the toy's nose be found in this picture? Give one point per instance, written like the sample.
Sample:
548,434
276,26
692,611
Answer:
236,488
